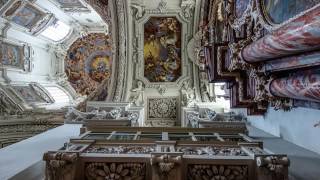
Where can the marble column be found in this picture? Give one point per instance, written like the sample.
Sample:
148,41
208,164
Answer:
293,62
298,35
303,85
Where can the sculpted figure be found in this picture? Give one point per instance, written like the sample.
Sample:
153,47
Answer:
137,94
188,94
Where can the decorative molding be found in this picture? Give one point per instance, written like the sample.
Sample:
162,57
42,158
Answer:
211,151
165,165
197,171
162,108
42,92
115,170
275,167
130,149
122,52
60,165
8,106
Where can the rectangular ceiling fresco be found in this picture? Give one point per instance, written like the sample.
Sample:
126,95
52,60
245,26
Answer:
28,16
11,55
28,94
162,49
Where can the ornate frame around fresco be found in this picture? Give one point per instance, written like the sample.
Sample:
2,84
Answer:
26,56
161,11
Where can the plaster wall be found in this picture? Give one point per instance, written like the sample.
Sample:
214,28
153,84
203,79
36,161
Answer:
21,155
296,126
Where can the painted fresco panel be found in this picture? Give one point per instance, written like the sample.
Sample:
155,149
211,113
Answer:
89,62
28,16
28,94
11,55
278,11
162,49
241,6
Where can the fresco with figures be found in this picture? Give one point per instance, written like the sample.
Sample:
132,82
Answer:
28,94
27,16
162,49
89,62
279,11
11,55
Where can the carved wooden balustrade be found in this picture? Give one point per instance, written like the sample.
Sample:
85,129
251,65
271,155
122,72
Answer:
164,153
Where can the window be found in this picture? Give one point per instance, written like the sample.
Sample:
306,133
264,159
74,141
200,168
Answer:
57,31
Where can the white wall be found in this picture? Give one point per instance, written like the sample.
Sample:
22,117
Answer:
19,156
296,126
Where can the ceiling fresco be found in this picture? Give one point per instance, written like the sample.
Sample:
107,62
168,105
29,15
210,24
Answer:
25,15
89,62
162,49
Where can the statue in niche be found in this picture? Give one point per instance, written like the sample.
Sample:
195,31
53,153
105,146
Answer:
188,95
137,95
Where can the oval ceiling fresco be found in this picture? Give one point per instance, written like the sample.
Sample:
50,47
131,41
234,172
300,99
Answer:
89,62
278,11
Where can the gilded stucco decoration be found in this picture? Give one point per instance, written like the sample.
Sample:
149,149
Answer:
89,62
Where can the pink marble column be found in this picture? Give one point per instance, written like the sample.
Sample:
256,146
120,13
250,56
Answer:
293,62
302,85
300,34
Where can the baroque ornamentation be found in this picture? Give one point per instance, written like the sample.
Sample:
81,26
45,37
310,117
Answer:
132,149
188,94
227,172
128,171
165,164
193,119
211,151
275,165
237,62
138,10
162,108
187,7
60,165
136,97
285,104
75,115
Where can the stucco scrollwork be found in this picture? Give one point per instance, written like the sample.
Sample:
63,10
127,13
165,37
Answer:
187,7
